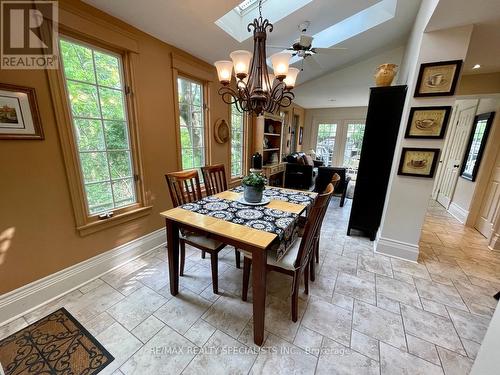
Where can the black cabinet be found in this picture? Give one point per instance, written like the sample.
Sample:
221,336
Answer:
379,141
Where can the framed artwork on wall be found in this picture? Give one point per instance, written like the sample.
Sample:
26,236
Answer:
438,78
428,122
475,146
19,115
418,162
301,135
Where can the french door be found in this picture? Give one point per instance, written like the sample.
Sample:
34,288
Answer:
338,143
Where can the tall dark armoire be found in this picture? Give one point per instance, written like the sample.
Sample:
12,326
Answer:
379,141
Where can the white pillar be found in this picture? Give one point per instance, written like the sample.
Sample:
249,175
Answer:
407,197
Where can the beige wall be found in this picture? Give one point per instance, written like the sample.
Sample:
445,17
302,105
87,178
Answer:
476,84
34,193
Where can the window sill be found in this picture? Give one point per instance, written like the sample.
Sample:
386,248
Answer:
97,226
234,182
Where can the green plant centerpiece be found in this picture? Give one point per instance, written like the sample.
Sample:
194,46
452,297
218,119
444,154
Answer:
253,187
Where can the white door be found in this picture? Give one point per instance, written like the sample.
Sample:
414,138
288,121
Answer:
491,202
458,143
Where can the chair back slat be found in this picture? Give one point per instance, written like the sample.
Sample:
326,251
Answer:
184,187
313,226
215,178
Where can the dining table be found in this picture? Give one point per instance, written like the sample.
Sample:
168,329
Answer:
257,229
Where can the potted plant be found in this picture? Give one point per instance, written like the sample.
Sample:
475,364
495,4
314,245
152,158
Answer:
253,186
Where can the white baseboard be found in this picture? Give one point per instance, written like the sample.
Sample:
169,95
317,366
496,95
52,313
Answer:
28,297
458,212
396,249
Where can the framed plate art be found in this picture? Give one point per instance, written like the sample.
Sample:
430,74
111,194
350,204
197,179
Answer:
438,78
418,162
428,122
19,116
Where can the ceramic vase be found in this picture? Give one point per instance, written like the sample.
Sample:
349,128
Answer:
385,74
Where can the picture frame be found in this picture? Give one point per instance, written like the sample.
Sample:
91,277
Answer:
418,162
301,135
428,122
476,145
19,114
438,78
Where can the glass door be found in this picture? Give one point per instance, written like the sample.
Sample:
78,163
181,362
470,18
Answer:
325,142
353,144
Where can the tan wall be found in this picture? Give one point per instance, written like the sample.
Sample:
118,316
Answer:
474,84
34,193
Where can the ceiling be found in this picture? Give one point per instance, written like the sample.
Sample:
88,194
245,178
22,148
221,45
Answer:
189,25
484,48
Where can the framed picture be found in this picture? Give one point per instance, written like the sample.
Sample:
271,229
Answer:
438,78
19,116
427,122
301,135
476,145
418,162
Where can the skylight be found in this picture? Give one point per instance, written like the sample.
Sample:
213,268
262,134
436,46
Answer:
235,22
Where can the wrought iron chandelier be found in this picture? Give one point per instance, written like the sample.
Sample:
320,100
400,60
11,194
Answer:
257,90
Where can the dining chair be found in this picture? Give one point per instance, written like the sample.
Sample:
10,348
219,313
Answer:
215,182
184,187
296,261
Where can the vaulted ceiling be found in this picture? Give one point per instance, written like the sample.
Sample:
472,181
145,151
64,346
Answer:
362,26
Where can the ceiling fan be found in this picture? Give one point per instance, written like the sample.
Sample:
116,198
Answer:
302,47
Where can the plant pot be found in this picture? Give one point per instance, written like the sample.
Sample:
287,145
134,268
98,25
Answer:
252,194
385,74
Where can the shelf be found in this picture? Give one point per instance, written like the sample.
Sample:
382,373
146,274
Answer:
273,134
270,149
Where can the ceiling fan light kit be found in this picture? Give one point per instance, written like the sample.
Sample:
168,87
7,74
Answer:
257,90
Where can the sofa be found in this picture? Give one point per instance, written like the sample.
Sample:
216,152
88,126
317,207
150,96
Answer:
301,171
324,177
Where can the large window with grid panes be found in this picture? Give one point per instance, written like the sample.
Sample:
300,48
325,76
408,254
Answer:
192,123
95,89
237,142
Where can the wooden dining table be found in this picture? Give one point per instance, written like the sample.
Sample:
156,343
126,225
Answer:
239,235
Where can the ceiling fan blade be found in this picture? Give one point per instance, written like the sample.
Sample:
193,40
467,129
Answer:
327,50
313,63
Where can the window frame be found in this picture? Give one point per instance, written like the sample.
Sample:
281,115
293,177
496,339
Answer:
87,223
204,93
244,143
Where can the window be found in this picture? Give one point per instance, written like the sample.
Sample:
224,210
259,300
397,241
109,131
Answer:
96,96
192,123
354,141
325,142
237,142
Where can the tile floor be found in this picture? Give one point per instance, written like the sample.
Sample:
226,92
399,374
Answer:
365,314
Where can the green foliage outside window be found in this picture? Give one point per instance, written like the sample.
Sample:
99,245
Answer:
96,97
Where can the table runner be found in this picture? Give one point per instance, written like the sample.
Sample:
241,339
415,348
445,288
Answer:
281,223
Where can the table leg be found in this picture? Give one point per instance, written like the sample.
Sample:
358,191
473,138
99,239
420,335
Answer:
259,260
173,255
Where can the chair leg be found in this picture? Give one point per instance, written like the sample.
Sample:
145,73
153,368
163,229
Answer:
316,251
203,255
306,279
247,264
342,200
295,297
312,270
215,272
183,256
238,258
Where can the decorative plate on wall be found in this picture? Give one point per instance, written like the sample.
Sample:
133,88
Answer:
222,131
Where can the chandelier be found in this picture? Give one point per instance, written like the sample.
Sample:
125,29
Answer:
256,89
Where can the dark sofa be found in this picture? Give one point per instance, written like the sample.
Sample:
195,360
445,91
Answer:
324,177
300,171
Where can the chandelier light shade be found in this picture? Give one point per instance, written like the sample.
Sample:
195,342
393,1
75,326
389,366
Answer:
241,62
224,71
291,77
257,90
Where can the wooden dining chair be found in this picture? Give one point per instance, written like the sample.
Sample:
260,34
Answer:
216,182
296,262
184,187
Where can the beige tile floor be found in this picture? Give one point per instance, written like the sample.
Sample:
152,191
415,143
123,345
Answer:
366,313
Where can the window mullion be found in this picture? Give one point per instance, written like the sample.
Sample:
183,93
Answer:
103,129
